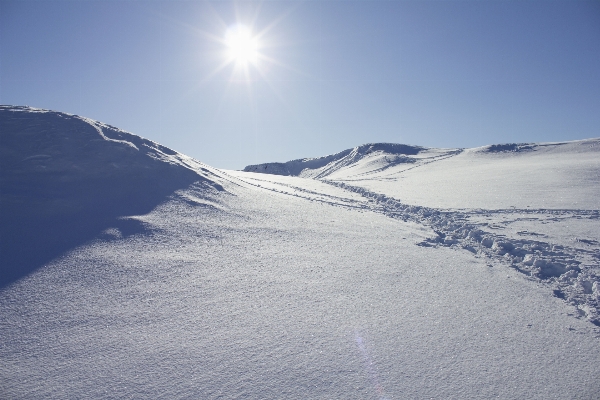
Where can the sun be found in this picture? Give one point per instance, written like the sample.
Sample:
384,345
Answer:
242,46
245,49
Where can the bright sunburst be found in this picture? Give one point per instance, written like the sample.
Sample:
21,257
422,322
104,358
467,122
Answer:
242,47
245,49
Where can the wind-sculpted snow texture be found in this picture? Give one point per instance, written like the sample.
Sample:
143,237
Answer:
65,178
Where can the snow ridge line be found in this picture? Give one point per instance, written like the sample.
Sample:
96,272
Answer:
98,126
357,154
572,273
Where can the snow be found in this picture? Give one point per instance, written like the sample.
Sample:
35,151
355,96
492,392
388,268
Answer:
244,285
545,175
65,178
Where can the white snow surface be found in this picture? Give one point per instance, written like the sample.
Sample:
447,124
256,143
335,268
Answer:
543,175
335,285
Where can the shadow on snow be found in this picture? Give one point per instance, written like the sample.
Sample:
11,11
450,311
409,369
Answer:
62,184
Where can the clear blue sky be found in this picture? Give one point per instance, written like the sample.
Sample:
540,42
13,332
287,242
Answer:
330,74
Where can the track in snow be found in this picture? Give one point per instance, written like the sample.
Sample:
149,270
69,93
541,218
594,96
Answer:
571,271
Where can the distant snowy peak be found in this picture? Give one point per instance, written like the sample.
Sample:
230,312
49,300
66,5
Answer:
49,143
324,166
387,160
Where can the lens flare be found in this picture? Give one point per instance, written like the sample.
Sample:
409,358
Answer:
370,366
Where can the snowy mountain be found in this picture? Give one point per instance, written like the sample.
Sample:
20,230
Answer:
496,176
385,271
323,166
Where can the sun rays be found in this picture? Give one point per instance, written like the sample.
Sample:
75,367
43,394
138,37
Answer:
244,50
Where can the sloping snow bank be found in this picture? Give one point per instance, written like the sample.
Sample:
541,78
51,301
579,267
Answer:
562,175
65,178
48,144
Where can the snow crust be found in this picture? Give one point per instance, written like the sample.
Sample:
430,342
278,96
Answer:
231,284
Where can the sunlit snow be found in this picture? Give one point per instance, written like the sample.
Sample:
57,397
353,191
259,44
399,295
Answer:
382,272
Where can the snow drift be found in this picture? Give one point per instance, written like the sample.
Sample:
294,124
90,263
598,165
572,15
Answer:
65,178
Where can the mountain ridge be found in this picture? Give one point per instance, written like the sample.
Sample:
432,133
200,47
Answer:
342,158
377,157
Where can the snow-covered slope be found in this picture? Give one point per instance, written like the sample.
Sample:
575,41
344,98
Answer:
324,166
65,178
547,175
535,207
229,284
542,175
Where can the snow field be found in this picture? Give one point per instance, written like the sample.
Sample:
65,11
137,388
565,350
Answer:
566,263
561,176
257,294
228,284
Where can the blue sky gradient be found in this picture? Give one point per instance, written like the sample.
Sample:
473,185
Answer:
334,74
